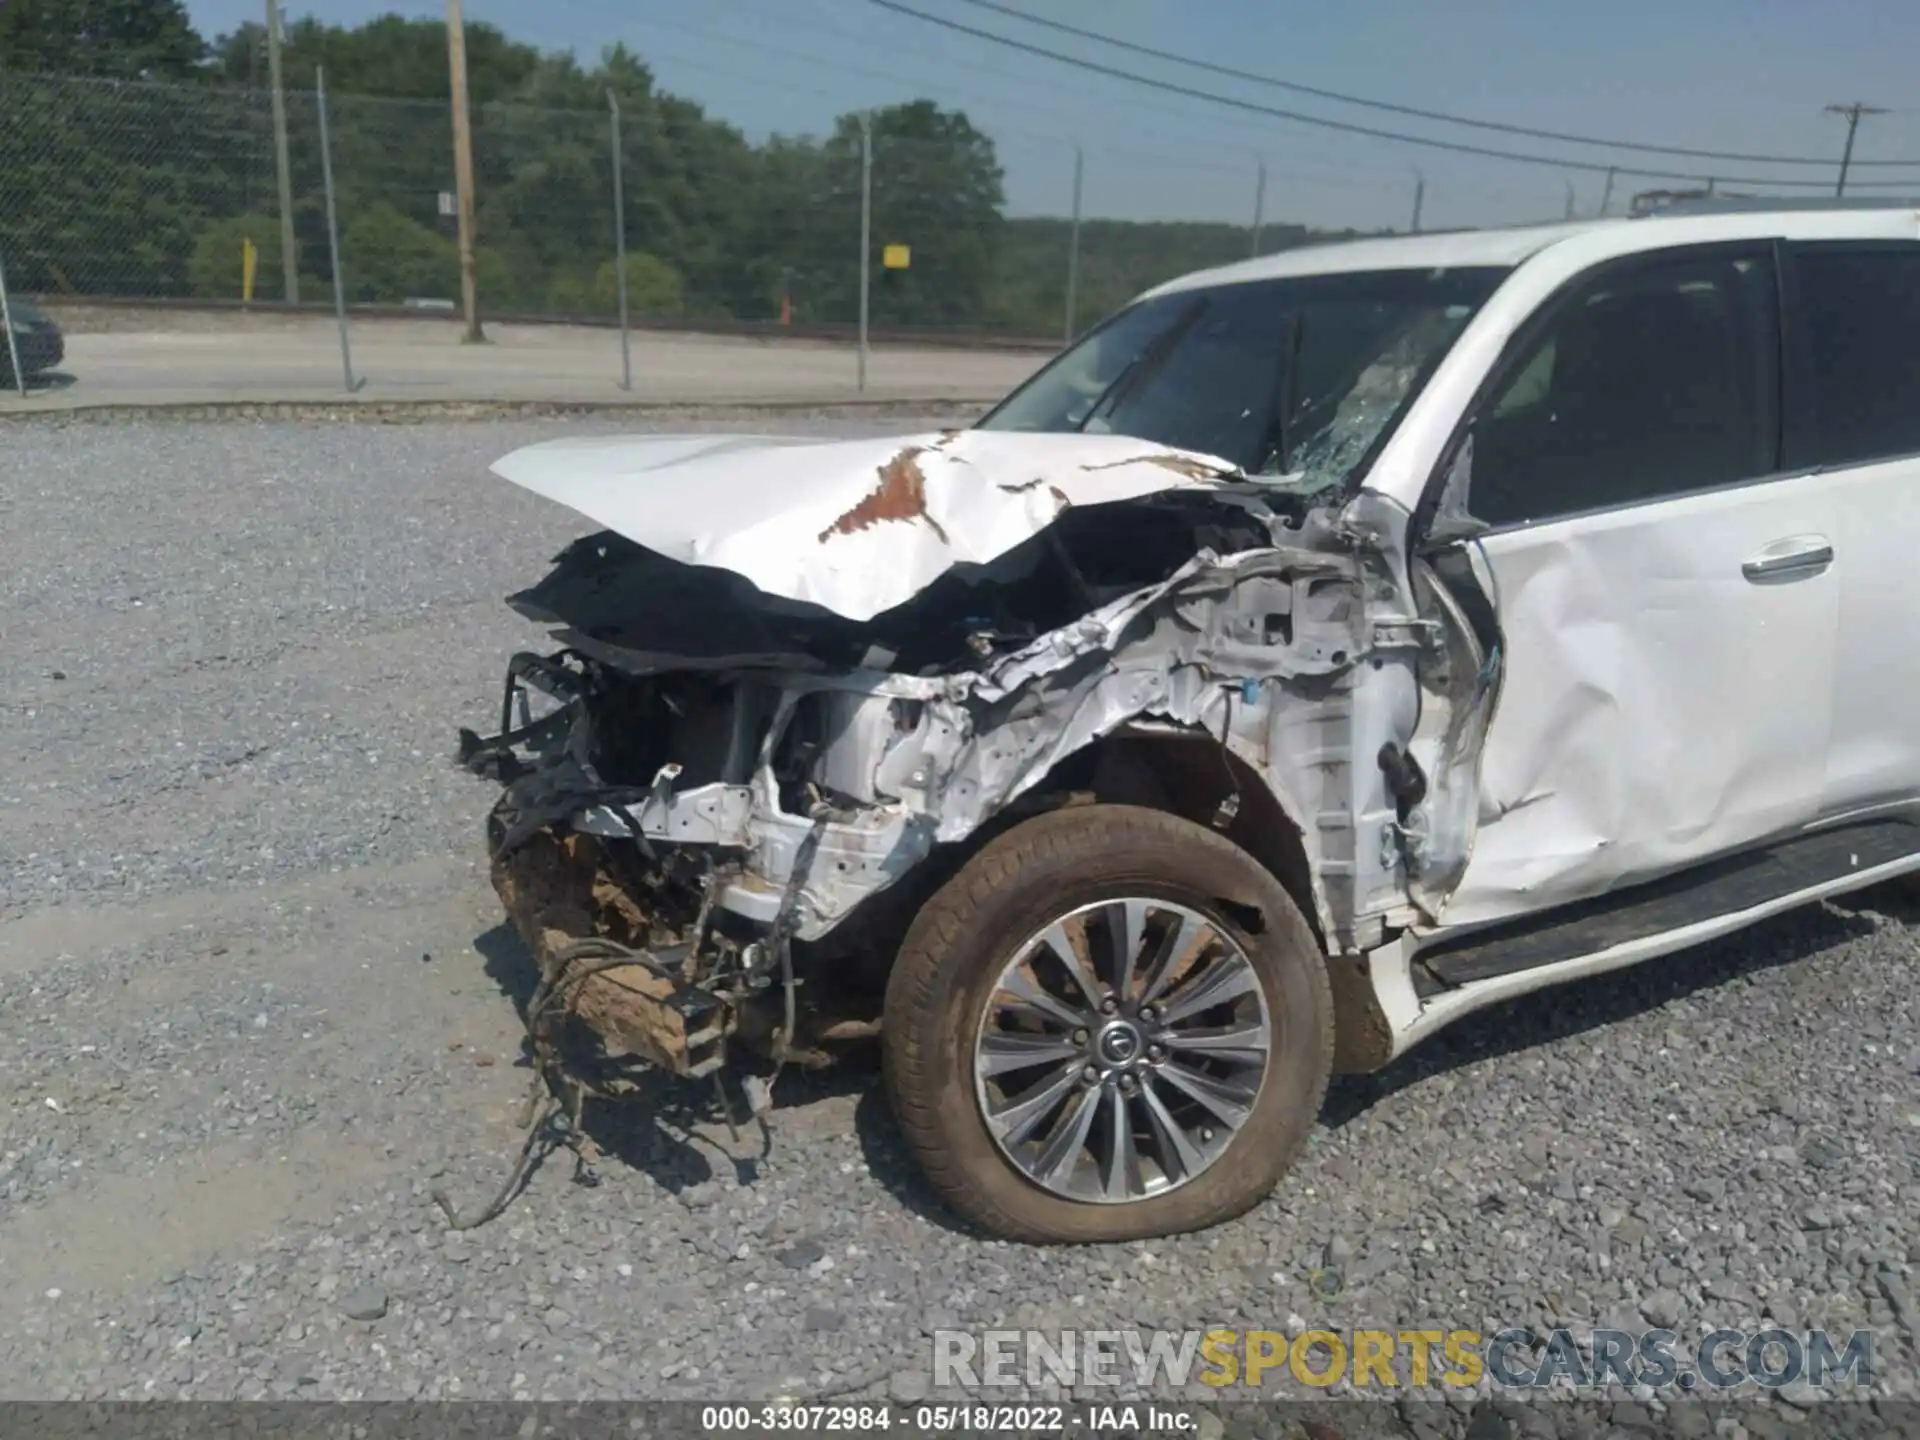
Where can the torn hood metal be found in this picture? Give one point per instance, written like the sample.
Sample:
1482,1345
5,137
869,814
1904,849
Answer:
854,526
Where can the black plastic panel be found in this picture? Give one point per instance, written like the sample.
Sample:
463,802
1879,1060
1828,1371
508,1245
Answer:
1721,887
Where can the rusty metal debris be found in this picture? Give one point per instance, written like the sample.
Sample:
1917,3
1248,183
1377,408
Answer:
587,932
630,1005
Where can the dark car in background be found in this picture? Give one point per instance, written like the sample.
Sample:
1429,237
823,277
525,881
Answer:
36,340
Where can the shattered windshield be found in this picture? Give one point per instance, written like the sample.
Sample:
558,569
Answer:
1301,378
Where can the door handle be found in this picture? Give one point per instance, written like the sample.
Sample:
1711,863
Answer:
1789,559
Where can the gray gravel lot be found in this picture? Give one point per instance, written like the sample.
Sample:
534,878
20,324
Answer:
255,1003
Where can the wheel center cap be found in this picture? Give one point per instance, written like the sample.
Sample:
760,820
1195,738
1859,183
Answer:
1119,1044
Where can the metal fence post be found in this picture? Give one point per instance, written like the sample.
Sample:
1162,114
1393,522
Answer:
1073,248
289,248
620,243
1259,205
333,231
866,232
13,345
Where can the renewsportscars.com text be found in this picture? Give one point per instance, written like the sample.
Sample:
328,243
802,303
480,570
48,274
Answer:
1516,1358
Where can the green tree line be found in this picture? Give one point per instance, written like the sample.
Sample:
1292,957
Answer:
136,159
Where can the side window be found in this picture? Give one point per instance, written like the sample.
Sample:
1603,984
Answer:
1654,381
1861,312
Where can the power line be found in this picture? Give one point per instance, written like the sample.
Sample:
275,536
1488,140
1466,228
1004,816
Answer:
1348,127
1347,180
1350,177
905,81
822,22
788,54
1530,132
917,79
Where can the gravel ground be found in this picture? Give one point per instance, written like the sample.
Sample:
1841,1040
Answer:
255,1003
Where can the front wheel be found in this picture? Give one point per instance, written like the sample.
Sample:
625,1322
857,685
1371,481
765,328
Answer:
1111,1024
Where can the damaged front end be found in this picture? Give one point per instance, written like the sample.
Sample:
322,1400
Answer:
660,895
722,803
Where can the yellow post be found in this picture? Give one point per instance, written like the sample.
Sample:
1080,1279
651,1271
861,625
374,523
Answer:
249,268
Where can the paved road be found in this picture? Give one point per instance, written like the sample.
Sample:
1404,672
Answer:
255,1002
156,358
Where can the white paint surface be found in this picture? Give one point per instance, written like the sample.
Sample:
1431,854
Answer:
856,526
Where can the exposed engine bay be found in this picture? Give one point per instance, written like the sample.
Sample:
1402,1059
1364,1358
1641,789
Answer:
721,805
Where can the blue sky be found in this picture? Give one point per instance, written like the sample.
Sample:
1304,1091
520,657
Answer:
1738,75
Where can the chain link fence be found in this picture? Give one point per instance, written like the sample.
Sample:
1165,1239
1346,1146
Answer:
133,192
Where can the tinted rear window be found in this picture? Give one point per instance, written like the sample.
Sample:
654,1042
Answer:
1861,309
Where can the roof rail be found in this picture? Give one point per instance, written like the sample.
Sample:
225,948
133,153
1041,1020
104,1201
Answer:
1667,203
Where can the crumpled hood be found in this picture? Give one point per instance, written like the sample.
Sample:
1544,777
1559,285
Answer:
855,526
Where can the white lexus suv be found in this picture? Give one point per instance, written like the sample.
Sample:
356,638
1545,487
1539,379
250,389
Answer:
1318,650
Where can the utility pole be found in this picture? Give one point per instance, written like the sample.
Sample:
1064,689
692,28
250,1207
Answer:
463,167
289,261
1853,113
1419,197
1569,185
1606,195
1259,205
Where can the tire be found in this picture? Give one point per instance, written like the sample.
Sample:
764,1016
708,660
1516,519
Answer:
957,953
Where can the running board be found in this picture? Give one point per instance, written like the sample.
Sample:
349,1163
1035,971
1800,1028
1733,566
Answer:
1739,883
